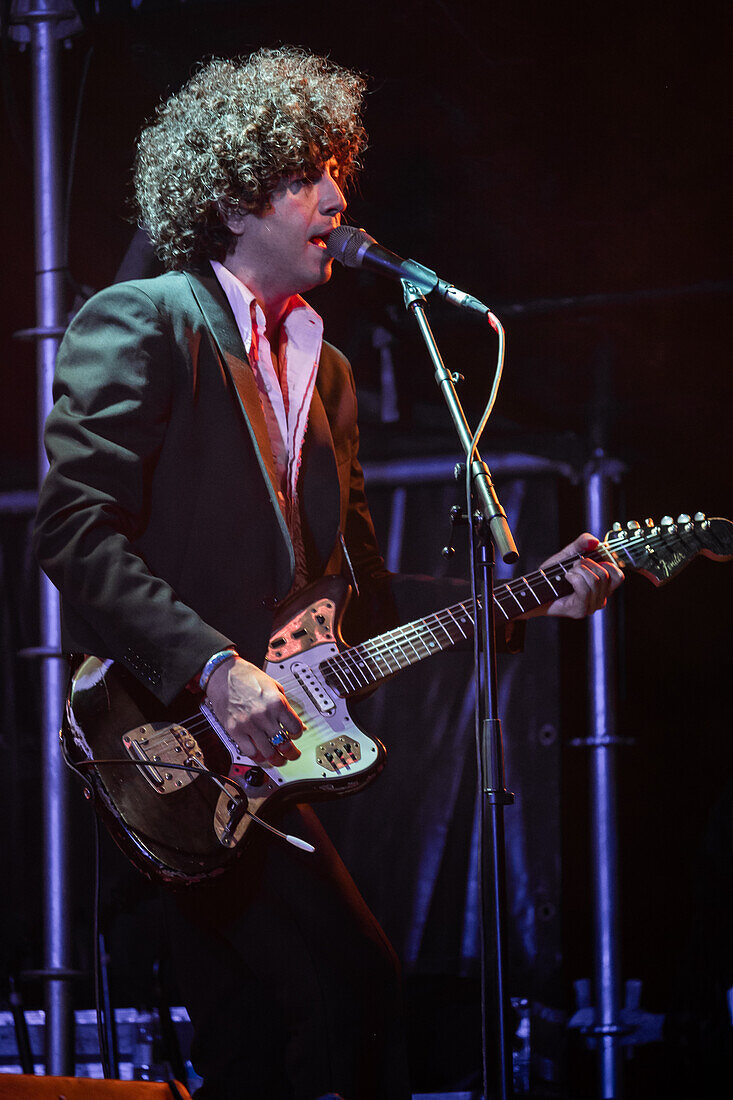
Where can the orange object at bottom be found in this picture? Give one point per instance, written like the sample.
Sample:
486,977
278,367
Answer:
20,1086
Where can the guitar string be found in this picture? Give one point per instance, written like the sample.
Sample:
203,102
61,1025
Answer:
388,647
355,666
388,644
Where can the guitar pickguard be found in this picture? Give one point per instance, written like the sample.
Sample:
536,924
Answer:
313,625
336,757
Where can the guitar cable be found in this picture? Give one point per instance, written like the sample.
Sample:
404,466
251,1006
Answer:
106,1034
221,781
105,1025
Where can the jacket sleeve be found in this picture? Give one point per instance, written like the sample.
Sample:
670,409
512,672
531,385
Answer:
113,394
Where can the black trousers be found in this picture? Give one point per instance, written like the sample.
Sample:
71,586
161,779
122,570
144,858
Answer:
292,986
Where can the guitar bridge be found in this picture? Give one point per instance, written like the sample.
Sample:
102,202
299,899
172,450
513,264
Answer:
156,748
338,755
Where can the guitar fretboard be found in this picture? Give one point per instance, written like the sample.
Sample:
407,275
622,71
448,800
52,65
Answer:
364,665
660,552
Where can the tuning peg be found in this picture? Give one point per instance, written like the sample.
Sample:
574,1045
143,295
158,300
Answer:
667,521
648,522
683,518
616,526
700,517
632,525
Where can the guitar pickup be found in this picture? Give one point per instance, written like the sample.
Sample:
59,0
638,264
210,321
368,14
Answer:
339,754
157,748
313,686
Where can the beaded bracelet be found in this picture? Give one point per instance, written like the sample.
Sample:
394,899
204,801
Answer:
213,662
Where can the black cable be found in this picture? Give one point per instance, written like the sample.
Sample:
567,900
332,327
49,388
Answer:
104,1052
218,778
25,1054
109,1015
168,1035
101,1001
238,801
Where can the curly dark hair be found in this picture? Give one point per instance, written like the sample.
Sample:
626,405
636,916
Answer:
224,142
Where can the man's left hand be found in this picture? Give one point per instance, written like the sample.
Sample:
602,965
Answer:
592,582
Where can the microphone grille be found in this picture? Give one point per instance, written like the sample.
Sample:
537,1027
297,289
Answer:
344,243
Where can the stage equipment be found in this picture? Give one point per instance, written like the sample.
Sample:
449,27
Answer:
355,248
41,23
602,742
153,1045
488,524
22,1087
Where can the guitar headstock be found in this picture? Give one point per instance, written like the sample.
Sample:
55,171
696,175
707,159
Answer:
660,551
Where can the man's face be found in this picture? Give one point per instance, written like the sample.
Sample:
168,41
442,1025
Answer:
282,251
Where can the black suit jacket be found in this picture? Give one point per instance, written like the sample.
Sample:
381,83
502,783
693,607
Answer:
158,520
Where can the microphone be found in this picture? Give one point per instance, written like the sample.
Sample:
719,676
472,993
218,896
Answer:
355,248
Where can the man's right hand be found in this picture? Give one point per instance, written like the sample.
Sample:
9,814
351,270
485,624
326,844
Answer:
252,708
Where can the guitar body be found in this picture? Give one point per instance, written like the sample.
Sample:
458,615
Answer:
168,816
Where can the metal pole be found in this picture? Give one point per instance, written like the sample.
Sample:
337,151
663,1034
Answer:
49,311
41,22
604,836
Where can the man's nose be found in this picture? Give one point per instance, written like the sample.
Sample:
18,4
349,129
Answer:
331,199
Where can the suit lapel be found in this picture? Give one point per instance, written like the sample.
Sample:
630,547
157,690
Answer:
219,318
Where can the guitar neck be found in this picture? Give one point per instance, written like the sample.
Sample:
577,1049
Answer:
362,666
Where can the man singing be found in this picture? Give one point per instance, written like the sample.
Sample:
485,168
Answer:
203,451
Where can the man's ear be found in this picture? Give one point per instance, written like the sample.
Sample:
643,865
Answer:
235,221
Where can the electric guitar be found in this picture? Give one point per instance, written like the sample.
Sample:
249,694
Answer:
180,797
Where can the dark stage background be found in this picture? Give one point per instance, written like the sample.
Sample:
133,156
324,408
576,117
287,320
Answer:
535,154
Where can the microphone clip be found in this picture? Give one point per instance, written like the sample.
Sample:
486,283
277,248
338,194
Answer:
412,293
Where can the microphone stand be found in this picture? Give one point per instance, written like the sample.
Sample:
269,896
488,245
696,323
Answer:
488,522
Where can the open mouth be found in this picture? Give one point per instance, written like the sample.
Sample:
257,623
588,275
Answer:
318,242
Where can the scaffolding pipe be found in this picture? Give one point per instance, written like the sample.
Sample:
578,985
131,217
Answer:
40,24
602,745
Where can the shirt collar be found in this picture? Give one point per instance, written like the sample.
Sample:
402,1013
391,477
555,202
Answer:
301,323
